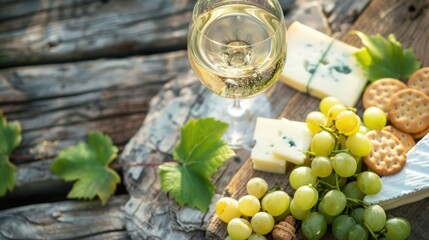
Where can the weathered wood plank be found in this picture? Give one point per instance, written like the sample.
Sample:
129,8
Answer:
46,31
408,20
397,19
66,220
92,29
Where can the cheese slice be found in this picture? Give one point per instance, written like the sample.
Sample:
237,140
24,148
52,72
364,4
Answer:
322,66
411,184
291,145
264,160
278,141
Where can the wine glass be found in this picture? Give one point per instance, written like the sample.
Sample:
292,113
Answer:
237,49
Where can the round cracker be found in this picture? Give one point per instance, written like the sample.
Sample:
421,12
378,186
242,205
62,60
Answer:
387,155
406,139
421,134
378,93
420,80
409,110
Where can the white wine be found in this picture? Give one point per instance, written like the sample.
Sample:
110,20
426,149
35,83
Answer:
237,50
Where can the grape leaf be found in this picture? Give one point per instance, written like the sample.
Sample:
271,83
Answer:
10,138
87,164
385,58
199,154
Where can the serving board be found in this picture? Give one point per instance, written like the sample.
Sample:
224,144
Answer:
409,21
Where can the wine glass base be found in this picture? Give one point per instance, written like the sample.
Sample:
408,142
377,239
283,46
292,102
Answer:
241,121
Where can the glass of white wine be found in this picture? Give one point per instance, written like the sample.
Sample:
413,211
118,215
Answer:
237,49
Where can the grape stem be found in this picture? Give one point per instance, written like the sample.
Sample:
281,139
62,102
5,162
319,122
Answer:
337,138
358,201
370,231
325,183
337,184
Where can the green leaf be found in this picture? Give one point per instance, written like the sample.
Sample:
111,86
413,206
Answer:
385,58
88,165
10,138
200,153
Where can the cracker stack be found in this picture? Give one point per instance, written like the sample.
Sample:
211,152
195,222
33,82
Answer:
407,109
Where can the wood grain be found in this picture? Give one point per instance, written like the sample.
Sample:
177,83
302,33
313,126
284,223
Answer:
58,104
66,220
46,31
397,19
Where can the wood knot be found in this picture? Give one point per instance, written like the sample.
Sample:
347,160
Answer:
285,230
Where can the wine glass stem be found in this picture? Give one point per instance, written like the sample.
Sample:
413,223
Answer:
236,111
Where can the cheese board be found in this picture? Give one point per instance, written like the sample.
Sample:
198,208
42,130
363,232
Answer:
236,188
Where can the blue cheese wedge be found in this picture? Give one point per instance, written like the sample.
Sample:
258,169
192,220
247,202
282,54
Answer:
322,66
278,141
411,184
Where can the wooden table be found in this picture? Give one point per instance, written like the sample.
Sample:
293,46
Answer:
121,68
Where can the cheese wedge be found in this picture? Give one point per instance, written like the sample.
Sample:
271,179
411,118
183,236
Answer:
322,66
411,184
278,141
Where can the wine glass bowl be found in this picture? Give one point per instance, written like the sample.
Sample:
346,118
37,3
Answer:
237,48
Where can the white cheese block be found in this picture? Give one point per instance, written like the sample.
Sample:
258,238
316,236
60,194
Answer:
322,66
264,160
278,141
411,184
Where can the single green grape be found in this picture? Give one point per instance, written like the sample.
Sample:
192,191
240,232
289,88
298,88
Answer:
276,202
322,143
262,223
239,229
334,111
358,232
322,166
314,119
347,122
374,118
375,217
369,182
358,144
297,212
301,176
249,205
344,164
257,187
306,197
327,102
314,226
357,214
352,190
329,219
341,226
397,228
334,202
227,208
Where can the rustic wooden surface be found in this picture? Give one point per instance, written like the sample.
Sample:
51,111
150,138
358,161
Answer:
399,18
49,31
66,220
62,101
